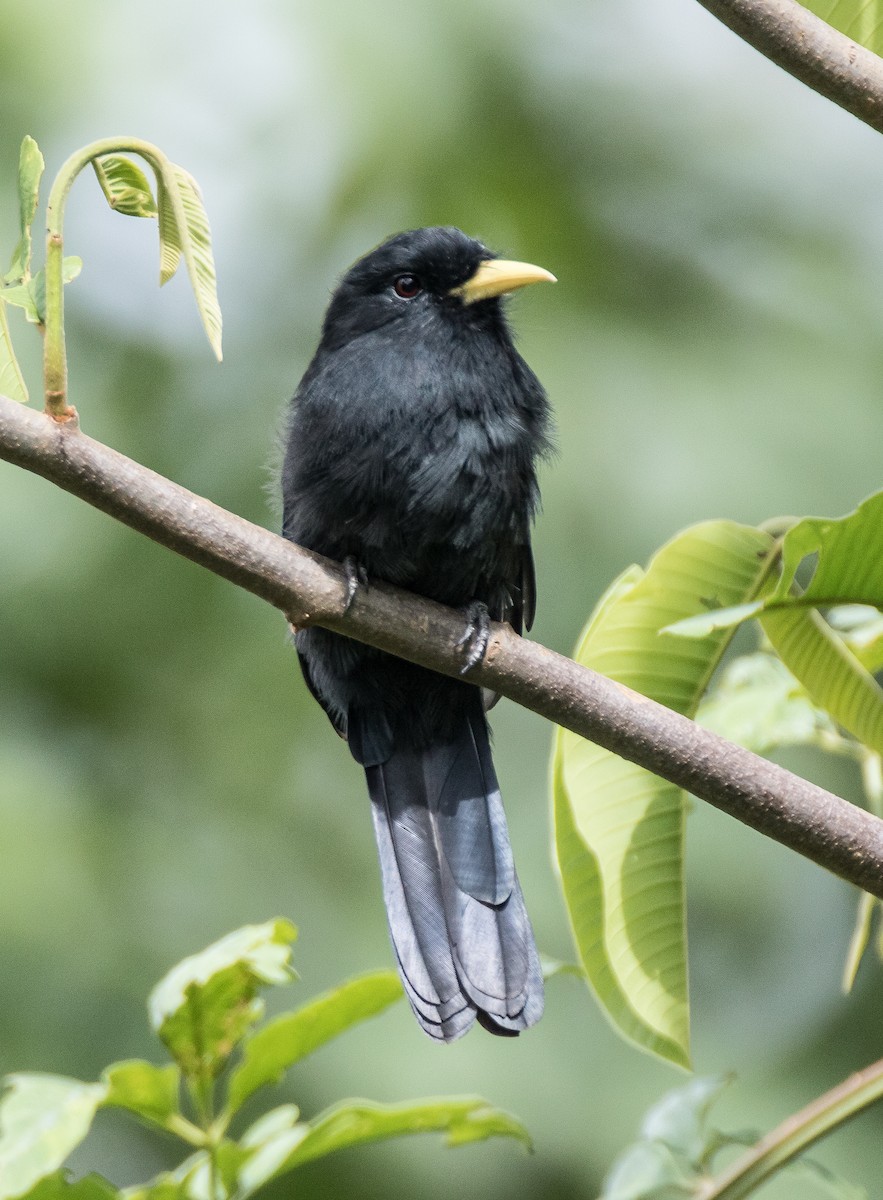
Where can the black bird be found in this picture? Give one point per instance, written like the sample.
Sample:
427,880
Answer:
411,451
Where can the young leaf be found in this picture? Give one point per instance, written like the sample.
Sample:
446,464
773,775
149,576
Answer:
30,171
861,20
169,238
125,186
680,1120
357,1122
59,1187
205,1005
832,675
269,1052
184,229
12,383
758,703
850,557
35,311
22,295
149,1091
648,1171
42,1119
619,829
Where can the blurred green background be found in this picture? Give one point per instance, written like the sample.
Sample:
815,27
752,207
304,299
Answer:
712,349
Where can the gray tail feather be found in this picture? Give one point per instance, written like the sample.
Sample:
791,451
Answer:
457,919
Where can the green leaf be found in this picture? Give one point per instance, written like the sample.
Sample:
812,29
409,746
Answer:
618,829
269,1052
142,1088
276,1121
680,1120
861,627
22,295
42,1119
31,296
833,677
125,186
861,935
861,20
12,383
205,1005
850,558
648,1171
30,171
358,1122
704,623
58,1187
184,230
169,238
759,704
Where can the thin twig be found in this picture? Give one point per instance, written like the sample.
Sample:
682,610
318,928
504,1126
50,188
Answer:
311,590
810,50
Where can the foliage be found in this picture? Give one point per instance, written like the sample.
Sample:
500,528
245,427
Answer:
675,1155
619,832
183,231
205,1011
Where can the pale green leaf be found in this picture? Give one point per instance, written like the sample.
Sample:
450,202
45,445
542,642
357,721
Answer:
619,829
648,1171
759,704
31,296
276,1121
358,1122
831,674
125,186
206,1004
850,558
184,230
704,623
42,1119
142,1088
861,20
12,383
23,295
30,172
269,1052
861,627
680,1120
169,237
861,935
59,1187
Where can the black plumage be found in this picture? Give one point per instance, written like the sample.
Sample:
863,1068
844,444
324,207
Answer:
411,451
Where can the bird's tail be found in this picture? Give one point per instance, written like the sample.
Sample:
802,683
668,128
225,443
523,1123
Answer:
456,914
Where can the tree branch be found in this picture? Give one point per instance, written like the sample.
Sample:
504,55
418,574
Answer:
809,49
310,589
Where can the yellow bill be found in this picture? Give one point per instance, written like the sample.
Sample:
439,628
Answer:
497,276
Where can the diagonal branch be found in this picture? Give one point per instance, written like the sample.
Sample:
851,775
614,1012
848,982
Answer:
809,49
310,589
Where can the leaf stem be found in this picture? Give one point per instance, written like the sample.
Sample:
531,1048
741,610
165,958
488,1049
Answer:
54,354
795,1134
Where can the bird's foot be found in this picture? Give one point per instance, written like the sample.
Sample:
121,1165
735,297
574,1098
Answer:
476,635
356,577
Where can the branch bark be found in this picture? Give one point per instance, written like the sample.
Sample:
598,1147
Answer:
809,49
310,589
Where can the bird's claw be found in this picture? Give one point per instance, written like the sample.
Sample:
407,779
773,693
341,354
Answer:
356,577
476,635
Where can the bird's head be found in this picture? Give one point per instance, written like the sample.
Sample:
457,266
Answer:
424,275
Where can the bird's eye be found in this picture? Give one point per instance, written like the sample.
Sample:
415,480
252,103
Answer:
407,286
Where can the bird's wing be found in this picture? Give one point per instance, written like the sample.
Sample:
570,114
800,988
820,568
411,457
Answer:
338,722
520,605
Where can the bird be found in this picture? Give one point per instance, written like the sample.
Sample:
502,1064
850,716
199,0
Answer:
411,449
